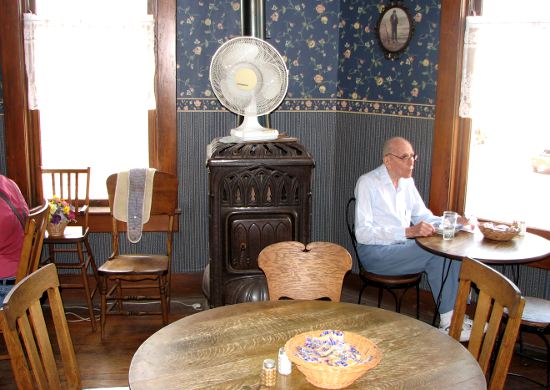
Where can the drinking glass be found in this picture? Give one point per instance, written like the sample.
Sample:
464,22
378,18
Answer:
448,224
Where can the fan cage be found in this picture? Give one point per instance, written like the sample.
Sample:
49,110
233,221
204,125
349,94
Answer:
254,102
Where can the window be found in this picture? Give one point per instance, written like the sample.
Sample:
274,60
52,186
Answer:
452,136
91,76
504,89
21,126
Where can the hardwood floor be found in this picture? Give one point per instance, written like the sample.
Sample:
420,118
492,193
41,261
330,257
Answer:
106,364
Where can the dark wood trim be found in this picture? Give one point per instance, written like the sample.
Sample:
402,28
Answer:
16,115
100,221
166,122
448,138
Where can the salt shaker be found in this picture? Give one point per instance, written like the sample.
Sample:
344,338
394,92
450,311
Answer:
284,365
269,373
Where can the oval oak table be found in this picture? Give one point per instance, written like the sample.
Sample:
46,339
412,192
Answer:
520,249
223,348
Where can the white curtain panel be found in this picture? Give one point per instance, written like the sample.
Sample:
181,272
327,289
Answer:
504,62
110,55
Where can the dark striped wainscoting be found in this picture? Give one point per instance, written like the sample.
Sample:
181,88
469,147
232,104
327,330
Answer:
343,145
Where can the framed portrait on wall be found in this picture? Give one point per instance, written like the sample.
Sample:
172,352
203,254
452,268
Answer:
394,29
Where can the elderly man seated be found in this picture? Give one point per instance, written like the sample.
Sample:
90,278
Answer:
389,214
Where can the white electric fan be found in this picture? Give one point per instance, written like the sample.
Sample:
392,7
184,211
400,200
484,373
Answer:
250,78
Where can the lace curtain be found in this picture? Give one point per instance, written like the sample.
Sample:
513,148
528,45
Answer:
504,62
112,56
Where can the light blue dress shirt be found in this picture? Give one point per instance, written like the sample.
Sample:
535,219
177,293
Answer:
382,212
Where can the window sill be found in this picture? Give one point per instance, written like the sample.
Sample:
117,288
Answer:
99,221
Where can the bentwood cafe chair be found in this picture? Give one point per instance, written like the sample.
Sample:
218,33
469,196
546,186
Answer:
396,285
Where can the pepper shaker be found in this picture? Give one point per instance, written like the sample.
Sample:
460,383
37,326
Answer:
269,373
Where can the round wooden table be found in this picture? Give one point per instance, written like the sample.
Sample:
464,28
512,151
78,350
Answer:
520,249
223,348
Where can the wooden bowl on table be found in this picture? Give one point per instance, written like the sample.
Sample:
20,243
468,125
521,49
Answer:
326,376
500,232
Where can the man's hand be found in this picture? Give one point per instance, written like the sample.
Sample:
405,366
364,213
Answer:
462,220
421,229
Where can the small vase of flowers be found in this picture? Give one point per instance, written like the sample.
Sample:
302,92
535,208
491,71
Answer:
61,214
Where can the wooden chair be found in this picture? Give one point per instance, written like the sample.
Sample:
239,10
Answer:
29,346
536,320
154,269
497,294
297,271
72,185
396,285
35,226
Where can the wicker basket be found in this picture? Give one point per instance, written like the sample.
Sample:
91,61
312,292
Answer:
491,233
331,377
56,230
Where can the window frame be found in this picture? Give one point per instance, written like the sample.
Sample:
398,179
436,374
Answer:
452,133
21,125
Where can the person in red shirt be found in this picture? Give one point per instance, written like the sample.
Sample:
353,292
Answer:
13,214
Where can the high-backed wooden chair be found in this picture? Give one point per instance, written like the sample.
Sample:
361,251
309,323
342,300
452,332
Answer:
35,226
396,285
29,346
72,250
497,294
154,269
297,271
31,250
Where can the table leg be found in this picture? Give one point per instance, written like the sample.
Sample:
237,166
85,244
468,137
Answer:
444,275
515,273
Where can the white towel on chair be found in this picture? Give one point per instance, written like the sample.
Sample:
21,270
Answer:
120,203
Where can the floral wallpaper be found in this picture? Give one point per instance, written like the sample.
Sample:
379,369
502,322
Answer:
331,50
202,26
306,33
364,73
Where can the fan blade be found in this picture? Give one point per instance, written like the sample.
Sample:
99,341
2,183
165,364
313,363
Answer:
238,52
232,97
272,81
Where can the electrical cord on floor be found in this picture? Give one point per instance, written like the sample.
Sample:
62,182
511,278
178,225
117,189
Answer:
196,306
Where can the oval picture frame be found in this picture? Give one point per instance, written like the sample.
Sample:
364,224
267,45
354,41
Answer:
394,29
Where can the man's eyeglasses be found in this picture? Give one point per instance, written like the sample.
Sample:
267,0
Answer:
406,157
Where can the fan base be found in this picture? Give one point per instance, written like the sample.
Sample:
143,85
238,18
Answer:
255,135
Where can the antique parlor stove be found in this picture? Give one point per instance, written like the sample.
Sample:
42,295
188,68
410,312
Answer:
259,194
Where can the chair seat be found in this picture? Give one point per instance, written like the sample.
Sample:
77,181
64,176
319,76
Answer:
536,312
396,280
135,264
71,234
